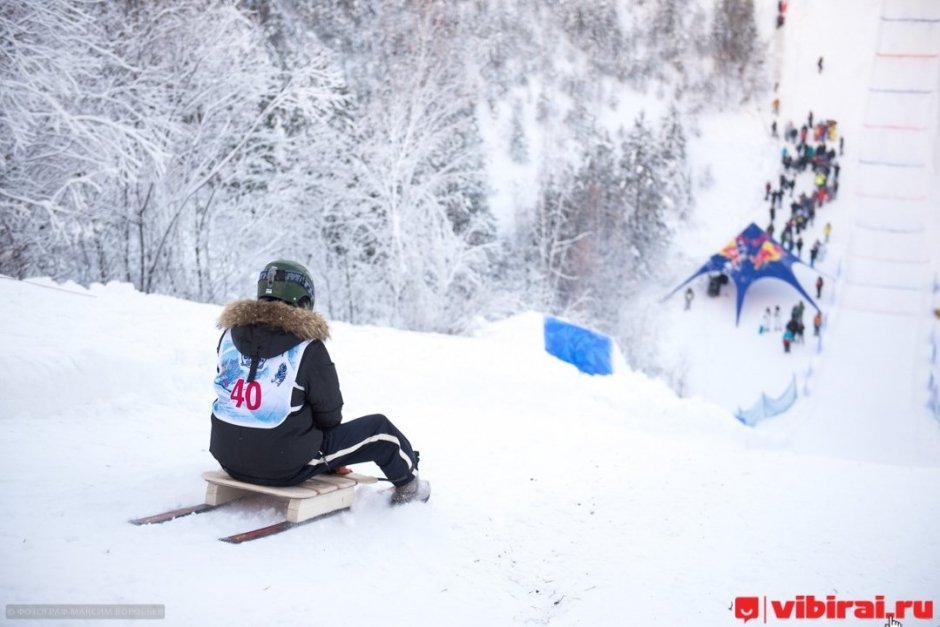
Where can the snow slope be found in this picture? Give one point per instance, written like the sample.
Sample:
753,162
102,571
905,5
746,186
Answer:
886,276
559,498
867,376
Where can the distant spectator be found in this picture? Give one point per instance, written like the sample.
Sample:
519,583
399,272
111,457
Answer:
795,328
817,323
819,64
813,253
819,286
689,295
787,340
797,313
777,326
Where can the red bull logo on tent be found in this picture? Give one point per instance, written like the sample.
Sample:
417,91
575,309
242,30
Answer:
769,252
749,257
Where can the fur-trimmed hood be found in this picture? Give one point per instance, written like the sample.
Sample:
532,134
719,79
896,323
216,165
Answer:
305,324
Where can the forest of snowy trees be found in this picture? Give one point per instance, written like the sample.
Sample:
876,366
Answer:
179,145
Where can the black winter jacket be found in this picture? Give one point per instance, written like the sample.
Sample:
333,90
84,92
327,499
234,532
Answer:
267,329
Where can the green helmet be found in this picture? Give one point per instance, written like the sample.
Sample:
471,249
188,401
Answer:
287,281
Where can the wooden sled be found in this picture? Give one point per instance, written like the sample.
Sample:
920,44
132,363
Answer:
314,497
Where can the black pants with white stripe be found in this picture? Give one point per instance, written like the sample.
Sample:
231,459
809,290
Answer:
371,438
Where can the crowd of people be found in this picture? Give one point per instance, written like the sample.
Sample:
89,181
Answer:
813,147
811,151
822,161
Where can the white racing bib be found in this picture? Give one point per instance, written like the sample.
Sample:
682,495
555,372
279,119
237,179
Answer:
263,403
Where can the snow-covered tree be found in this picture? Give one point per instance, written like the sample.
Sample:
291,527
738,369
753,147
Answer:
180,145
551,237
735,47
601,257
648,205
67,134
235,125
417,176
132,125
676,175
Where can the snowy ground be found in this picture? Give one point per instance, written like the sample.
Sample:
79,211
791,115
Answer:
558,497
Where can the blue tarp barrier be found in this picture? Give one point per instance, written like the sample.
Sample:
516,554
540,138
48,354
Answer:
588,350
767,407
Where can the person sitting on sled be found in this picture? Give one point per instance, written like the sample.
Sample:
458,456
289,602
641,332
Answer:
277,418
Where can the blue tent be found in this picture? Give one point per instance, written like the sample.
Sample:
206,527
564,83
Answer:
751,256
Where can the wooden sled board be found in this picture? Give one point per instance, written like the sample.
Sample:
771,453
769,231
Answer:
314,497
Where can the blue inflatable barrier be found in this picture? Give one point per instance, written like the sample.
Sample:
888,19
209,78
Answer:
588,350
